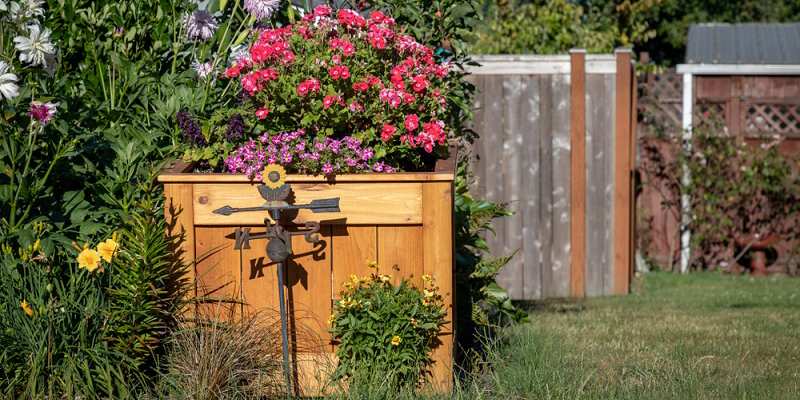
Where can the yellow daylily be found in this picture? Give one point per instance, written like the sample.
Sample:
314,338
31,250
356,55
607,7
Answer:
108,248
396,340
26,308
89,259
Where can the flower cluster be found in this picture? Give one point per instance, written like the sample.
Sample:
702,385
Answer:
338,76
330,156
378,319
90,259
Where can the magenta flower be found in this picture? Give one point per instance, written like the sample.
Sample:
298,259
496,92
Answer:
42,113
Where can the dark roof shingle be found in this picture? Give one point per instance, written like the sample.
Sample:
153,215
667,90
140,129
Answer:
749,43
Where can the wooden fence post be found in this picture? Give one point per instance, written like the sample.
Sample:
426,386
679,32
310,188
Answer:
578,172
623,172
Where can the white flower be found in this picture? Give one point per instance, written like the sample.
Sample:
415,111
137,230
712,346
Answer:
8,82
36,48
261,9
25,9
200,25
203,70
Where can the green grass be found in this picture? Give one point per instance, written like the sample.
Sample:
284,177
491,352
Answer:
704,336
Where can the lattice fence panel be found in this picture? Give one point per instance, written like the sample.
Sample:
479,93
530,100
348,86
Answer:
771,118
659,105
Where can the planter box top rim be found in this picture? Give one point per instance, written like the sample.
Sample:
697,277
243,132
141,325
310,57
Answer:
180,172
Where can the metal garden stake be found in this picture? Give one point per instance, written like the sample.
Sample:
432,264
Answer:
277,193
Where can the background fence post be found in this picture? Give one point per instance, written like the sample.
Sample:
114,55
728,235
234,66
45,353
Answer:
623,172
578,172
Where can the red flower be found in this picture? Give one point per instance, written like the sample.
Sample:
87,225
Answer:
328,101
411,122
322,11
262,113
377,17
250,83
420,83
387,132
339,72
360,86
233,71
350,18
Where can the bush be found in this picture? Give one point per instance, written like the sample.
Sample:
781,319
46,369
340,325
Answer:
386,330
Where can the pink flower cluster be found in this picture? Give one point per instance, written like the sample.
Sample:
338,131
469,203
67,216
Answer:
292,149
341,75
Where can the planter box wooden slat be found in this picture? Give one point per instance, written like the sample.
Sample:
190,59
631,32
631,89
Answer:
403,221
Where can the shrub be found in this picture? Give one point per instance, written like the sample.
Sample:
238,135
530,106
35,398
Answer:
386,330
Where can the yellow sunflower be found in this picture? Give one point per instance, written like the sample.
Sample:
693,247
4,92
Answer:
89,259
274,176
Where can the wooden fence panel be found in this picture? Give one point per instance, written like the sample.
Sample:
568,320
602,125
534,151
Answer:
523,158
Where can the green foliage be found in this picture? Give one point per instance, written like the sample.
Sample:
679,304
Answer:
544,27
386,329
487,303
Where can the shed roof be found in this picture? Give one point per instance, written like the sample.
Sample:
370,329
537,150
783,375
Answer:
746,43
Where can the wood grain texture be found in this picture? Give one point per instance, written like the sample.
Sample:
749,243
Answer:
353,248
439,264
599,167
529,202
400,253
545,227
218,270
578,169
360,203
180,224
511,164
622,173
561,248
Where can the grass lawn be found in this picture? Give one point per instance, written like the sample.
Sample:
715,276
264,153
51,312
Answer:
704,336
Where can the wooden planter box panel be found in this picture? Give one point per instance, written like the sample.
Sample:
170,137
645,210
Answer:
402,221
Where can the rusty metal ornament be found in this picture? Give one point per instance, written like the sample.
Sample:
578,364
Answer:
277,193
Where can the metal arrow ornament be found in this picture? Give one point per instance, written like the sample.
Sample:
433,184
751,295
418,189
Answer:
277,192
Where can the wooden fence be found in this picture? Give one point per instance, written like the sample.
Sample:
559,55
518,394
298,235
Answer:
556,144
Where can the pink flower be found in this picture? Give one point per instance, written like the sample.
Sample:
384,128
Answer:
233,71
306,86
262,113
356,107
302,89
350,18
420,83
392,97
322,11
377,17
360,86
327,169
250,83
339,72
42,112
412,122
328,101
387,132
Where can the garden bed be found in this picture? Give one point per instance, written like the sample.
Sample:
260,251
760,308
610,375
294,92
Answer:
403,221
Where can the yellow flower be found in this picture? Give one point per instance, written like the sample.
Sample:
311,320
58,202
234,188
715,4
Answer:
429,293
26,308
427,278
426,301
108,248
89,259
355,280
413,322
331,318
385,278
372,264
274,176
396,340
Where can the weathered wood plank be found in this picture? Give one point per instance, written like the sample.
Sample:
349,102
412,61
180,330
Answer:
511,162
561,186
578,169
529,203
599,127
360,203
545,227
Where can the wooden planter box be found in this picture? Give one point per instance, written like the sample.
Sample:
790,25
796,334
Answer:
404,221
